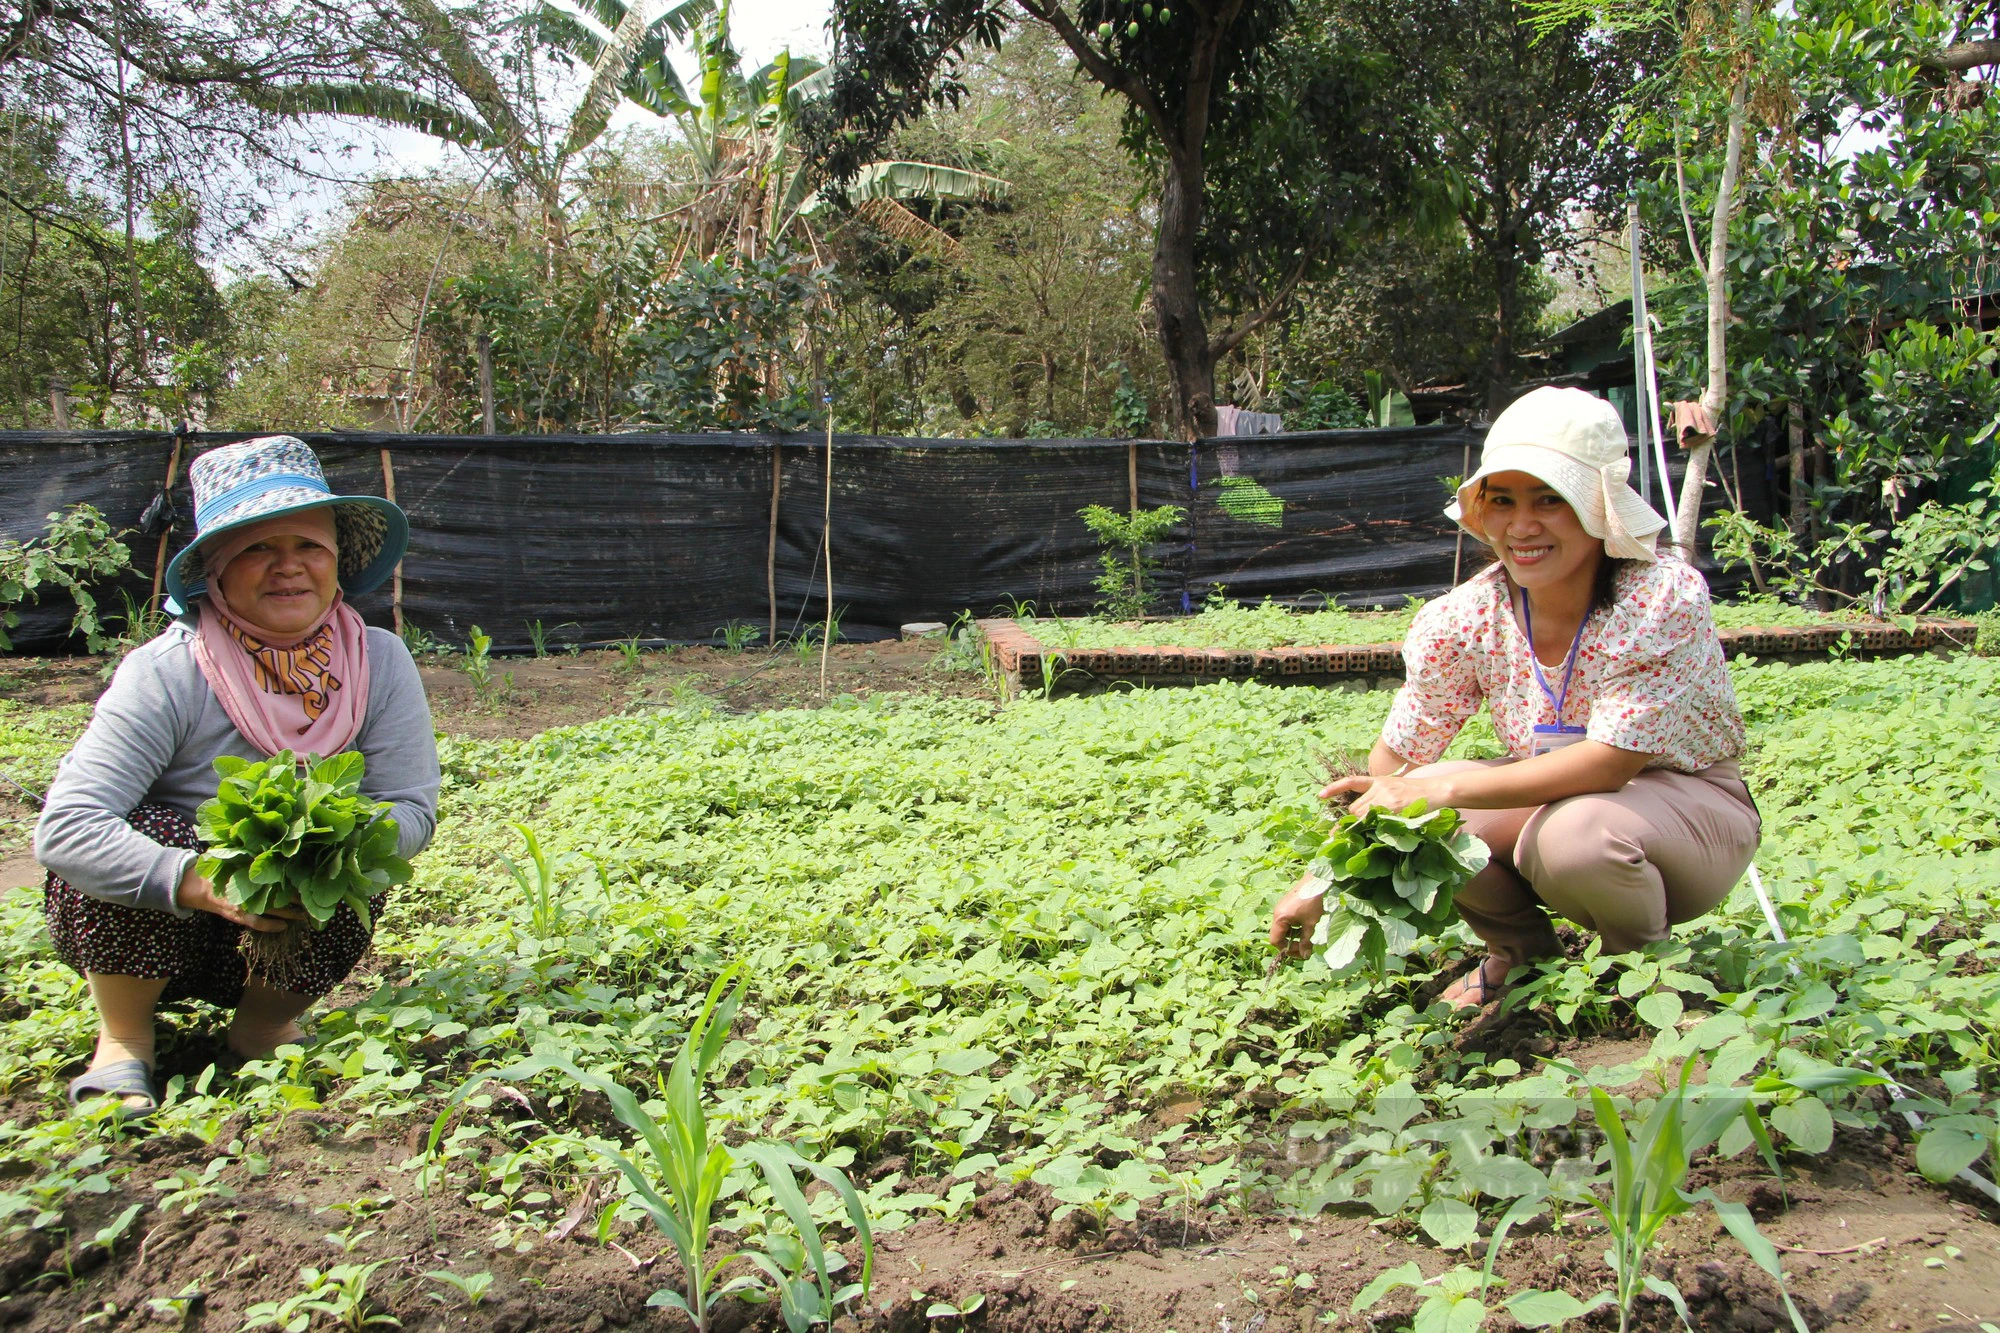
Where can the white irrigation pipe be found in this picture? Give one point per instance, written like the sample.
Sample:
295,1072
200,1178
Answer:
1646,377
1896,1093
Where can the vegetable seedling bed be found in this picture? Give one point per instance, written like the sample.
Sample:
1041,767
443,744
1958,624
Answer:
1029,660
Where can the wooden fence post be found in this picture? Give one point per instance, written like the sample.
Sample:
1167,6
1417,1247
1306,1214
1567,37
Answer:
1132,473
486,383
160,557
396,584
59,404
771,547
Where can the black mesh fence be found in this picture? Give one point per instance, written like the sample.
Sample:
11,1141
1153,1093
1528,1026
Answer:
670,537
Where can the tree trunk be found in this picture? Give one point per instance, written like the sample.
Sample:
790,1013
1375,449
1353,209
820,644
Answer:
1795,438
1500,352
1177,301
1687,519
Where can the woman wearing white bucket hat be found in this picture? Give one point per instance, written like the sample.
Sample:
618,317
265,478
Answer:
269,658
1622,805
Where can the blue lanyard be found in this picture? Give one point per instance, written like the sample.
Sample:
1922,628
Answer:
1569,663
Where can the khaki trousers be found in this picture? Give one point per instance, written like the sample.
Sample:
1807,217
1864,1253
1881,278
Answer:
1628,864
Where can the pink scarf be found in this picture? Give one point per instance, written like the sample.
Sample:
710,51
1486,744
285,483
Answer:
307,693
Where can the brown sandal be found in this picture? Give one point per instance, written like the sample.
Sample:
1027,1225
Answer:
1481,991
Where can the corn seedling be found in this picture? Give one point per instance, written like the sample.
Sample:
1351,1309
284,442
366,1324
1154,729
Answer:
1649,1164
422,643
538,639
544,911
693,1168
631,652
801,1268
738,635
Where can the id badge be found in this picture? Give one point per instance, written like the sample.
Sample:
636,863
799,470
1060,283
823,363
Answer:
1550,737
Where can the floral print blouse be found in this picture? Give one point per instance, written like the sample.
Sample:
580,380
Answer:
1649,673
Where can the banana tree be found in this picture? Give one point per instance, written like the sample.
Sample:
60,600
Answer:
474,108
751,187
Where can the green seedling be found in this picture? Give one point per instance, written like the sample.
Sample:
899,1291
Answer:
106,1237
1455,1300
1649,1164
340,1294
693,1167
279,838
177,1308
631,652
544,910
961,1309
738,635
1960,1135
347,1240
187,1190
1102,1193
471,1287
478,663
538,639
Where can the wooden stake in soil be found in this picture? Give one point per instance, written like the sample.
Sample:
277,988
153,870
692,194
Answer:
771,546
396,585
160,557
826,550
486,383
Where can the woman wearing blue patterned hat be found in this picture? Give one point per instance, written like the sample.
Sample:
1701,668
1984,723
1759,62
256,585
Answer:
266,656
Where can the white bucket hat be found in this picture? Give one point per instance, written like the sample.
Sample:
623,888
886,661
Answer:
1573,442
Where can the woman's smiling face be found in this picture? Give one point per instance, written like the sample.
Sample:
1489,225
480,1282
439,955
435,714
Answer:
283,582
1535,532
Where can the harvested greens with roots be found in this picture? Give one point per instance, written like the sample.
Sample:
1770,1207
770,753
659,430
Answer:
280,837
1397,873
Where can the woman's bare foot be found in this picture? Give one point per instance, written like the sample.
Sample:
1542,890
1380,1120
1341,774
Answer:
1479,987
257,1044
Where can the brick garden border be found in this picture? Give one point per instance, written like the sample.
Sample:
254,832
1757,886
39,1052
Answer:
1021,657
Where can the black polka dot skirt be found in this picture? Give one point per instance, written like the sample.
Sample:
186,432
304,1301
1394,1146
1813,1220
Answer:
200,955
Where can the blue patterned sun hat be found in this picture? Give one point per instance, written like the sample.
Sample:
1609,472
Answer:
241,484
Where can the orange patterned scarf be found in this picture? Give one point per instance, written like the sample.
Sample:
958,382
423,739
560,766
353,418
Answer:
304,669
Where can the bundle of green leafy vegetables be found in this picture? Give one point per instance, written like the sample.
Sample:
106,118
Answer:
285,835
1396,872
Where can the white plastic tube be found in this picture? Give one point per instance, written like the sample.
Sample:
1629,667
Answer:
1896,1093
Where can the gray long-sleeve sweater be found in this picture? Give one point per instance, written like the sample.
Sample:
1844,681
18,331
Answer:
154,738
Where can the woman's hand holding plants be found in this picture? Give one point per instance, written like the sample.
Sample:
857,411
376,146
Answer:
1392,792
198,894
1295,916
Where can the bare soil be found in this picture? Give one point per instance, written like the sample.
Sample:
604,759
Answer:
1868,1245
529,695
